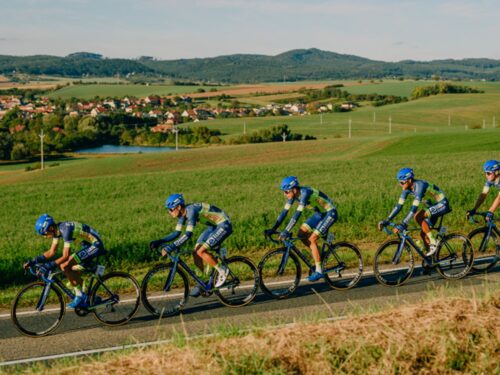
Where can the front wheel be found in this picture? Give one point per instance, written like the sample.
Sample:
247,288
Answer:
38,309
165,290
486,250
241,284
391,271
454,256
342,265
279,272
115,298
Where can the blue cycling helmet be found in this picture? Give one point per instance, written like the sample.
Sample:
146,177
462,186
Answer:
43,223
173,201
289,183
405,174
491,166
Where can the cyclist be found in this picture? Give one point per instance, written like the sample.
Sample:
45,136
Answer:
219,228
492,170
325,214
436,202
71,232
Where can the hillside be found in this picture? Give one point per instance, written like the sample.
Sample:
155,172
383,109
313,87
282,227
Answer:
295,65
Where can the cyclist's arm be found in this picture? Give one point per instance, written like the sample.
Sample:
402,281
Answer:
398,206
191,217
482,196
175,234
283,214
495,204
295,217
419,194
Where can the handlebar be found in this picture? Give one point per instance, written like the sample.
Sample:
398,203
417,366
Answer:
393,225
483,214
269,236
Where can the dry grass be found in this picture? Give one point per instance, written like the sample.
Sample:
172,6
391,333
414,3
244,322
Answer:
446,336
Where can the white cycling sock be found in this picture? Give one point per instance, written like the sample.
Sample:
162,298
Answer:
78,292
318,267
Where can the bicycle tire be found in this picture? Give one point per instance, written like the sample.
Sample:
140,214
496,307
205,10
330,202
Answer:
21,317
484,251
386,273
268,276
124,292
155,299
351,265
453,269
235,283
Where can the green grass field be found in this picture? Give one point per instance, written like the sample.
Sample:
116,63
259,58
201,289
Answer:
106,90
122,196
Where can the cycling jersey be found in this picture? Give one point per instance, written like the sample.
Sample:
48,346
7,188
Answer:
308,198
433,196
198,212
76,233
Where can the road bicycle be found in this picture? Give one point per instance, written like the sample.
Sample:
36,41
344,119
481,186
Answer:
486,244
394,260
165,288
280,270
39,307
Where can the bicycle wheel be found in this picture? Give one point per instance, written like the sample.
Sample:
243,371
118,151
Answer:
486,254
279,280
115,298
33,321
386,270
241,284
342,265
156,299
454,256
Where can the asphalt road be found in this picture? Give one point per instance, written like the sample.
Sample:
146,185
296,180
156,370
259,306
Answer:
206,315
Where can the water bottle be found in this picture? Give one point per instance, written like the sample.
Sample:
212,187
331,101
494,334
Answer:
100,270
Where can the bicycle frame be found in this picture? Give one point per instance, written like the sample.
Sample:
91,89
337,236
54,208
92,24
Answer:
491,228
290,246
53,278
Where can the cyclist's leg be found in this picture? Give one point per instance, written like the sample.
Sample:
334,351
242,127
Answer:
434,212
424,225
321,230
307,228
200,253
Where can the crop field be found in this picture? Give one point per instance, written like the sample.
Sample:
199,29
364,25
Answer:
122,196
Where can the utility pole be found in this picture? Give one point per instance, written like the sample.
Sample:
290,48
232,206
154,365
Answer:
176,131
374,117
321,118
283,136
390,124
350,128
42,136
244,127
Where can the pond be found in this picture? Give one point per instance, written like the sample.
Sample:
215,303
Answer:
114,149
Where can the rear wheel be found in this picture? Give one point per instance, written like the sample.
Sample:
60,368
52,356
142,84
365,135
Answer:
486,251
156,298
241,284
279,272
454,256
389,271
35,314
115,298
342,265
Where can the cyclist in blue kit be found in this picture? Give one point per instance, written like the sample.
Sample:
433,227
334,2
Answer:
325,214
72,233
492,170
435,200
219,228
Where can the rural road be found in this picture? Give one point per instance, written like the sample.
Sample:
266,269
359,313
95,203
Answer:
206,315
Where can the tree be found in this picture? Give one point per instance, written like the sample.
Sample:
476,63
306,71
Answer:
5,145
19,152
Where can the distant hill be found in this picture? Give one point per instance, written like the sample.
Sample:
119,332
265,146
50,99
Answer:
295,65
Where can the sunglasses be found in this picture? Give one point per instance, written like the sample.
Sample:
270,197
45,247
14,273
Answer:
403,182
287,191
489,173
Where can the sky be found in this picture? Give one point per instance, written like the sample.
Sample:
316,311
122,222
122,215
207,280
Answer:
387,30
